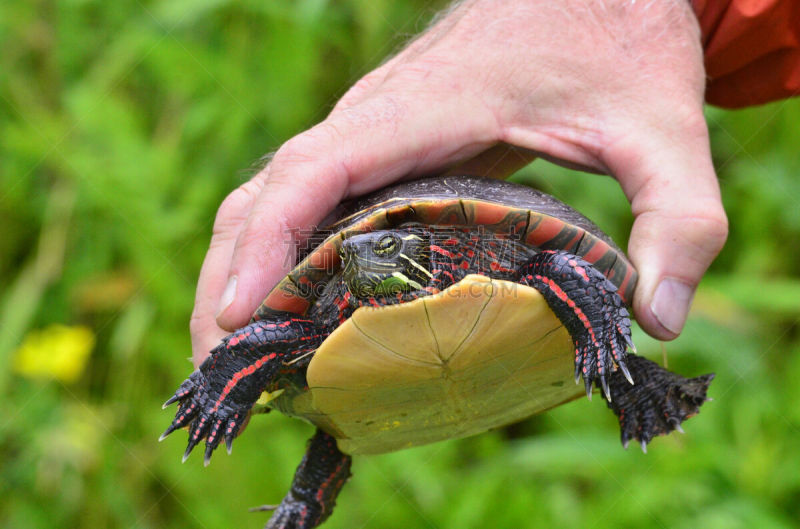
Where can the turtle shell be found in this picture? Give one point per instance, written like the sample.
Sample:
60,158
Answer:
478,355
499,207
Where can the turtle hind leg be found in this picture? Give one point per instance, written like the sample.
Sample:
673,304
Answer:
657,403
590,308
319,478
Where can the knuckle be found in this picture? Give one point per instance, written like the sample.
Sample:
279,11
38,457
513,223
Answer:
695,234
365,84
711,228
306,147
691,120
422,70
235,208
359,90
297,150
200,322
322,152
701,233
251,244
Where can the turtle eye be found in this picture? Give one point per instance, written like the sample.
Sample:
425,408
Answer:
385,246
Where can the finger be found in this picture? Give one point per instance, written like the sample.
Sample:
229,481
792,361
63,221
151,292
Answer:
232,215
680,225
357,149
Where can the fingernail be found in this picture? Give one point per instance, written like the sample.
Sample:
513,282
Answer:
671,302
228,295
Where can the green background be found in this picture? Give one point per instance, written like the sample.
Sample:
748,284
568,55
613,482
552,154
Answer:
124,124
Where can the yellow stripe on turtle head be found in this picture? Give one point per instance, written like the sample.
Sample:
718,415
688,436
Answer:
416,264
407,280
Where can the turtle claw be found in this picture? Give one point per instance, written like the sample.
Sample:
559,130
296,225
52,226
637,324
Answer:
625,372
223,424
185,389
263,508
604,386
213,440
169,401
206,420
598,357
188,408
291,513
629,341
232,427
592,366
171,428
199,431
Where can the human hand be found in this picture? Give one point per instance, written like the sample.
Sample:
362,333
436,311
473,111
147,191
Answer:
609,86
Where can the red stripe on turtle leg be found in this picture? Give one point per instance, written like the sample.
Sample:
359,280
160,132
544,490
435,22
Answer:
241,374
560,294
589,307
230,381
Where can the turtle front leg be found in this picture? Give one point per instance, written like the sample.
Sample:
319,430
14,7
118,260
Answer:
319,478
216,399
657,404
588,305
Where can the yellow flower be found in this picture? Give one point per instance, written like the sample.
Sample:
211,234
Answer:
57,352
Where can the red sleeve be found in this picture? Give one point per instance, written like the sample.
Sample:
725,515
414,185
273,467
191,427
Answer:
752,50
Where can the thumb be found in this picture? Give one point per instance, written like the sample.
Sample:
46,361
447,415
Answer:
680,225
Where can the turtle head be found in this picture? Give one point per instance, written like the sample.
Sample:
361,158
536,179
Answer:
386,262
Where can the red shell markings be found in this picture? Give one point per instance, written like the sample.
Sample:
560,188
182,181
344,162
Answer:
295,292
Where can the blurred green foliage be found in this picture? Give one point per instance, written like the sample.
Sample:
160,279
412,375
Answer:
122,127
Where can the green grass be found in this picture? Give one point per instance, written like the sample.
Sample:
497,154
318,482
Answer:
122,127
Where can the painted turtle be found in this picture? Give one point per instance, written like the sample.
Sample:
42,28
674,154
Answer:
433,309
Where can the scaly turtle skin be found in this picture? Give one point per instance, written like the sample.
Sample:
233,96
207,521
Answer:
433,309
